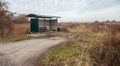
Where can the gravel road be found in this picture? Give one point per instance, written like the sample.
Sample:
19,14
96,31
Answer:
24,53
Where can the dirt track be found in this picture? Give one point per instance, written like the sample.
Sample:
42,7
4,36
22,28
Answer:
24,53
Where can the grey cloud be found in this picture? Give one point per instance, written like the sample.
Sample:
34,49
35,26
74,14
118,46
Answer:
62,7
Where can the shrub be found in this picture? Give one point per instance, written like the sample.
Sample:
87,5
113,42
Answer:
6,27
21,29
10,28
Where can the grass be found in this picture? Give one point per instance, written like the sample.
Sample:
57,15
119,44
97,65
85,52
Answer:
21,38
107,53
97,45
65,54
70,52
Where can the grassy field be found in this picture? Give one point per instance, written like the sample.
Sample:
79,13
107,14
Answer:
97,45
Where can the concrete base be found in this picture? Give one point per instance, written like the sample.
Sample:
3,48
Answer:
36,35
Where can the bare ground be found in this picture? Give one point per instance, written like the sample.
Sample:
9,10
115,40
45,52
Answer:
25,53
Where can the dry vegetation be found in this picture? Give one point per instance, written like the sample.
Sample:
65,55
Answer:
6,27
97,45
11,26
21,29
9,30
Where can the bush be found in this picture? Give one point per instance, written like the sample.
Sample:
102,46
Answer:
6,27
10,28
21,29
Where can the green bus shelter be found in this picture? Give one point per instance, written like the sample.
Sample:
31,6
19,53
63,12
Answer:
42,23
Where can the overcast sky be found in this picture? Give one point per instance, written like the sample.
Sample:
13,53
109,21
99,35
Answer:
70,10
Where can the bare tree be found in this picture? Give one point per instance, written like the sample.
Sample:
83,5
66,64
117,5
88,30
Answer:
4,13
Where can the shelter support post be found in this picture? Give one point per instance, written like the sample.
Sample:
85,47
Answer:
50,24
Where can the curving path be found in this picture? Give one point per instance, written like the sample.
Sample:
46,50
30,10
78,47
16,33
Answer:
24,53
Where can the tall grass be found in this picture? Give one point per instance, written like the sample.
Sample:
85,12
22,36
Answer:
97,45
108,53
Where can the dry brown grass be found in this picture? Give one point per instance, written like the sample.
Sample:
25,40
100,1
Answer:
11,30
108,53
66,27
73,28
21,29
6,27
97,45
9,27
